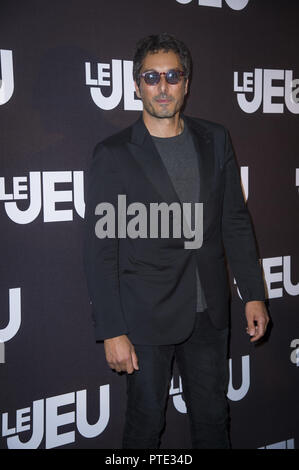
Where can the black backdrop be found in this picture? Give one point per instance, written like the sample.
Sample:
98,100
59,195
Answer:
56,389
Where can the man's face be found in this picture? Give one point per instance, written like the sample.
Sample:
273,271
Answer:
162,100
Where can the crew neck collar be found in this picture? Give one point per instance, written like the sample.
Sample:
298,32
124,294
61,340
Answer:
174,137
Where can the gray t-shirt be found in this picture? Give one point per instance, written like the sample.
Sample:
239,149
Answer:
180,160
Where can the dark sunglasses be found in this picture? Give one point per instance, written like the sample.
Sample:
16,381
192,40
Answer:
153,78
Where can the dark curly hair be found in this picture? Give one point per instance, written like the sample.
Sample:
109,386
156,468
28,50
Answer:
160,42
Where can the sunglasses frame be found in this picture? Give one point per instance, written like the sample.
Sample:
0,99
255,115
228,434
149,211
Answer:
180,72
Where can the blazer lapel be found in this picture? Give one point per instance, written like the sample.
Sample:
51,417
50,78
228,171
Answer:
204,145
150,162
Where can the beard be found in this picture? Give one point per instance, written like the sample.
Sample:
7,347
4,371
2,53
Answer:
163,110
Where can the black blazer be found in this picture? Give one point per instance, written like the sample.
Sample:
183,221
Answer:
146,288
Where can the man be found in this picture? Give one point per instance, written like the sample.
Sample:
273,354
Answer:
152,298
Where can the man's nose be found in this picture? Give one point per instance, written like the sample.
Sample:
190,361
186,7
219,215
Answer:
163,85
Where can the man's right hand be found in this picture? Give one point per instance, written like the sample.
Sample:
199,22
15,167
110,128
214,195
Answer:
120,354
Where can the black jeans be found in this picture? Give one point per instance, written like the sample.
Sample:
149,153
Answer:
203,366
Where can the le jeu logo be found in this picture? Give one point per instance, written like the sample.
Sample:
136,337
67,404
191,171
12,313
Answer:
7,80
257,88
233,4
109,83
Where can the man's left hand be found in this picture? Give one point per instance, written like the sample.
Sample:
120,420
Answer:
257,319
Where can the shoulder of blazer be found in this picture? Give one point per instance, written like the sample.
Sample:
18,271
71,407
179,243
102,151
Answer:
204,126
118,138
116,141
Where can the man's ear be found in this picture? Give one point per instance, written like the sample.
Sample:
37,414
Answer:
186,86
137,90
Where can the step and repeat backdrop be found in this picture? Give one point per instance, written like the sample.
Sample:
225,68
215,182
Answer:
66,83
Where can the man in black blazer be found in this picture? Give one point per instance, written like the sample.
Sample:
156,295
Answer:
152,298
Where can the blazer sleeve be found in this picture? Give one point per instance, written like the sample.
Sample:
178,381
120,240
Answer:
101,254
237,232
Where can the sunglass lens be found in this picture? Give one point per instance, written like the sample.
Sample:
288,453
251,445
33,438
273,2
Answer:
151,78
173,77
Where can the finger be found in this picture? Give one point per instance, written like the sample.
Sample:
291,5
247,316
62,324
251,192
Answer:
129,367
135,360
115,366
251,328
259,331
256,337
261,327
